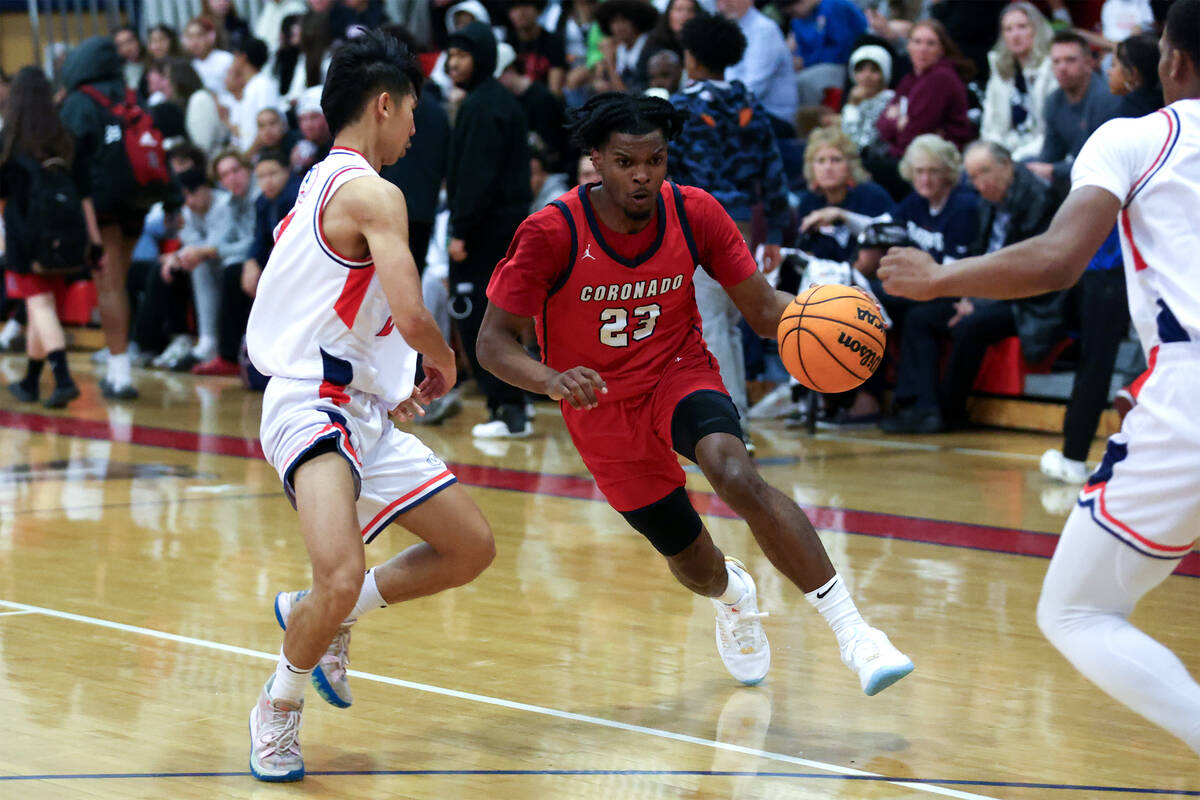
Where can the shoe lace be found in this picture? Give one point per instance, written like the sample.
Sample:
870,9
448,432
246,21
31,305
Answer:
283,730
743,627
339,654
862,650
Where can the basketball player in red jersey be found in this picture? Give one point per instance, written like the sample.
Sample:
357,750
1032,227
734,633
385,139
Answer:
606,274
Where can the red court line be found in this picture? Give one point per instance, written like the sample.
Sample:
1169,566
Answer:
1013,541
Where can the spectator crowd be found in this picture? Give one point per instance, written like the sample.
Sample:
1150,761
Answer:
828,130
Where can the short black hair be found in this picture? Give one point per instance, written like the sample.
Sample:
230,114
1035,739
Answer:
1183,29
1071,37
255,51
591,125
362,67
714,40
186,151
278,156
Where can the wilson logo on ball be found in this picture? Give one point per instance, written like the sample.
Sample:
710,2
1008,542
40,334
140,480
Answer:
867,357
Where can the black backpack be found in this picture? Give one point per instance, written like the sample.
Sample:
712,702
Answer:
55,231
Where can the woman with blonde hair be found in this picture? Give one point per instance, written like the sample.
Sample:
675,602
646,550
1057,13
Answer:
838,186
1021,79
836,180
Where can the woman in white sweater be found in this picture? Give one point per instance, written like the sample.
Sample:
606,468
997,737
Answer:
1021,78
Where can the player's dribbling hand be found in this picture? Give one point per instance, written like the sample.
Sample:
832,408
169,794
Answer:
908,272
579,386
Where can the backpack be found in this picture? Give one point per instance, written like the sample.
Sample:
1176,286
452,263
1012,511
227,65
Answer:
130,152
55,232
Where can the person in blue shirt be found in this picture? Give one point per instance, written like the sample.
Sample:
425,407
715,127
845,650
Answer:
822,36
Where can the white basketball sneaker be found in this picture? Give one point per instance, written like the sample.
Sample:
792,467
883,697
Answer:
876,660
329,675
1057,466
275,738
740,638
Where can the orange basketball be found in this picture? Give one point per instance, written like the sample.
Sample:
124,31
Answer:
831,338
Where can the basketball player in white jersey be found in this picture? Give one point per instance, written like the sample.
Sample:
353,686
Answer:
337,323
1140,511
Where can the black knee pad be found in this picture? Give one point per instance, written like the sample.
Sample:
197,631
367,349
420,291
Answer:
671,524
698,415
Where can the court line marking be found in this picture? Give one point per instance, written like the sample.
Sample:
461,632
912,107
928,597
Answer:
923,530
510,704
615,772
15,613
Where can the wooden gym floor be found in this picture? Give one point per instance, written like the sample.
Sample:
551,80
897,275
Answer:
141,545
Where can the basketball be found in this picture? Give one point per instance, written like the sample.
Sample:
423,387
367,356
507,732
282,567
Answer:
831,338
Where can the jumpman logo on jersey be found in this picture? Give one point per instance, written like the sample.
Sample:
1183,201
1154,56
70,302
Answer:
587,253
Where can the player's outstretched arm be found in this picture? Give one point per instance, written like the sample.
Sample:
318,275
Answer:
379,210
1046,263
760,303
501,353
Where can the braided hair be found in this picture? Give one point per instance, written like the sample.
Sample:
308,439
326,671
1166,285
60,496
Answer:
591,125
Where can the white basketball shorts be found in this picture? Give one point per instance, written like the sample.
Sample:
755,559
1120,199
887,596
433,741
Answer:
1146,491
393,471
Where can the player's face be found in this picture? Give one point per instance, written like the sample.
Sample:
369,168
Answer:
633,168
399,127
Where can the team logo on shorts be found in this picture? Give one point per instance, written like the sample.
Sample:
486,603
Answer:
434,461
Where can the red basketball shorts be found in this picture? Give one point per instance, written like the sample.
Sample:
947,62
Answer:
626,444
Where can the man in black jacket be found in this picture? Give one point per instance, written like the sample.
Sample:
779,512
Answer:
487,184
1014,205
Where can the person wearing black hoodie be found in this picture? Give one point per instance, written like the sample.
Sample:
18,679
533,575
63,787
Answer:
95,63
487,185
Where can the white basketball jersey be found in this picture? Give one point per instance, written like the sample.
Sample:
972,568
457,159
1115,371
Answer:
320,316
1152,165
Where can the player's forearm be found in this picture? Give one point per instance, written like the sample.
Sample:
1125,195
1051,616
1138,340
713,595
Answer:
1029,268
503,355
766,324
421,332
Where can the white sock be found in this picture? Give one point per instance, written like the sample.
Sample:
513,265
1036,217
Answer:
836,606
118,370
736,588
369,597
289,681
